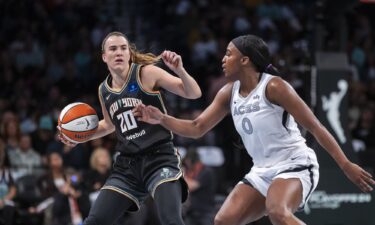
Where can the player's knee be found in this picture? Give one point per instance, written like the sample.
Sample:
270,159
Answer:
278,213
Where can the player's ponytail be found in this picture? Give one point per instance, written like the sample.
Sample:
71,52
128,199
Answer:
257,50
142,58
271,69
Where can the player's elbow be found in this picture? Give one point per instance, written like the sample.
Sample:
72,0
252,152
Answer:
198,130
196,136
197,94
194,95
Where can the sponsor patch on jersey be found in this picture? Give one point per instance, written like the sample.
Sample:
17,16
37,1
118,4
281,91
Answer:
166,173
133,87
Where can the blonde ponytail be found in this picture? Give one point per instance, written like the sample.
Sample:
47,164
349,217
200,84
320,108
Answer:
143,58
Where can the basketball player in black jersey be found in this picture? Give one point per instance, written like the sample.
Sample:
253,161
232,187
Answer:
148,162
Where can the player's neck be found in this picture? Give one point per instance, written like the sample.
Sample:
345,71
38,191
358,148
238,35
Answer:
119,78
249,82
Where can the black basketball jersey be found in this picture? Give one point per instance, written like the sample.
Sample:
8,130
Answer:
133,136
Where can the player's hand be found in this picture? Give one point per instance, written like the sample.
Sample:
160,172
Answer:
359,176
148,114
173,61
64,140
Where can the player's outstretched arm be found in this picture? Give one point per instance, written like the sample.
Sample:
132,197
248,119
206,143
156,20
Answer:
279,92
196,128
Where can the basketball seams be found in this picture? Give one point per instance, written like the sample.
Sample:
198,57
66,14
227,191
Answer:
79,124
83,110
79,117
66,109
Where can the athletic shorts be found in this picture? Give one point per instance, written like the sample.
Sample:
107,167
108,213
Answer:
138,176
305,168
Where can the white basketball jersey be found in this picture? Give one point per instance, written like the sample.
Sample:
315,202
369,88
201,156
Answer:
269,133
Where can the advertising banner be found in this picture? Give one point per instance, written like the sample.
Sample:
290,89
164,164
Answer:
336,201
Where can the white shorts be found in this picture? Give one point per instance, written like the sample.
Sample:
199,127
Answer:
305,168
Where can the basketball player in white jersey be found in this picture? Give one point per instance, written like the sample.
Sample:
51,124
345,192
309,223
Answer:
265,110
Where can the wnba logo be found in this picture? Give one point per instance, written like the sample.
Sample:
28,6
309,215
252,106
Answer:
331,105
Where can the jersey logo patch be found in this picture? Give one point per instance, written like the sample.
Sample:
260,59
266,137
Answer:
133,87
166,173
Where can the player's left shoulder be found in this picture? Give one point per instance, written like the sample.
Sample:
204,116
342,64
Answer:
151,69
277,84
277,87
150,73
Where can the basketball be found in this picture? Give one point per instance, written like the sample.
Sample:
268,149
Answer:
78,122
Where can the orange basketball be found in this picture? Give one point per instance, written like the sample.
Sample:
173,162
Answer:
78,122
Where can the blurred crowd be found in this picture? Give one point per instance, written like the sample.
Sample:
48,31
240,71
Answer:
50,56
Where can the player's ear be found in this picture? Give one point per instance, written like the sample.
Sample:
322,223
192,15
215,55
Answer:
245,60
104,58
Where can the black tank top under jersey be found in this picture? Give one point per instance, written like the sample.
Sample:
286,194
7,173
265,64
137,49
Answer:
133,136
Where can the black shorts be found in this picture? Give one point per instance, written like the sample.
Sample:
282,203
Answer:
138,176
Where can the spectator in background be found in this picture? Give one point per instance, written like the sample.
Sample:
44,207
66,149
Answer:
70,202
44,134
30,54
50,183
7,189
54,177
11,133
204,48
100,163
76,157
365,130
25,160
201,181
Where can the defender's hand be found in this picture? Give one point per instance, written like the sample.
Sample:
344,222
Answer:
359,176
148,114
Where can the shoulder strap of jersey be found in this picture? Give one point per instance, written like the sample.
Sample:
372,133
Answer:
135,68
100,90
234,91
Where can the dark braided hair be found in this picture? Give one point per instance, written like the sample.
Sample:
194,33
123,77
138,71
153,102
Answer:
257,50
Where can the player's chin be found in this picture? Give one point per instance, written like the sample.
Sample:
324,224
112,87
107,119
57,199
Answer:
229,76
118,67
